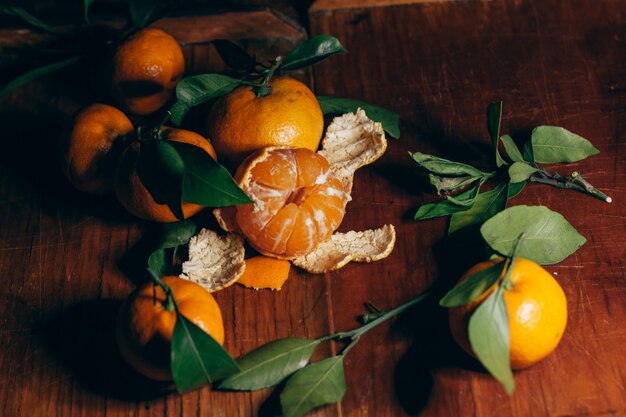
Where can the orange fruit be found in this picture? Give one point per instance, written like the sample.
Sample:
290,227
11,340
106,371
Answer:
536,307
144,327
146,68
134,196
90,151
298,201
265,272
240,122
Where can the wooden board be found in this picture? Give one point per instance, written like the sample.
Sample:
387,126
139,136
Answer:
439,65
67,260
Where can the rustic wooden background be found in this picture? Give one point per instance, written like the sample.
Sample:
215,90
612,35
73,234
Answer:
66,259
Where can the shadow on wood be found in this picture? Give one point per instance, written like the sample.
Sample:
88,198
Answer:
82,337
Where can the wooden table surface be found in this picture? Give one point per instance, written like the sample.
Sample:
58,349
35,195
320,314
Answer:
66,260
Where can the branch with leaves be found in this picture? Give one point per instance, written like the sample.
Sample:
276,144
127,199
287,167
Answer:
460,184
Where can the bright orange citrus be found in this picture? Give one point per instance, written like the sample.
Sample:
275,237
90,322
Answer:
145,327
265,272
146,68
89,153
536,307
298,201
240,122
134,196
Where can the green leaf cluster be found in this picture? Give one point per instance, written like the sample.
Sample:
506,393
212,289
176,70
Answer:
174,172
460,184
195,90
531,232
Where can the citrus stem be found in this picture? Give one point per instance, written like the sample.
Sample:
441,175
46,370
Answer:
574,182
355,334
506,281
264,89
170,303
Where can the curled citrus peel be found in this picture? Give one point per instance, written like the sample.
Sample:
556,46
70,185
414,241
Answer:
341,248
215,261
286,221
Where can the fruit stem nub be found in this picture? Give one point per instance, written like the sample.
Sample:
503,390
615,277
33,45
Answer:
170,303
264,89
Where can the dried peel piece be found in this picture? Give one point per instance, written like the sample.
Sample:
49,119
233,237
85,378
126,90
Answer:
215,261
341,248
352,141
265,272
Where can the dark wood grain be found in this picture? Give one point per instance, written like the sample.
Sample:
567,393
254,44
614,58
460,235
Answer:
439,65
67,260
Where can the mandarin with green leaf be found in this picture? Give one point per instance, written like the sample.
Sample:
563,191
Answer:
133,194
536,307
145,324
243,121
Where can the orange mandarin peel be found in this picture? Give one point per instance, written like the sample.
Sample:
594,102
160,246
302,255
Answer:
265,272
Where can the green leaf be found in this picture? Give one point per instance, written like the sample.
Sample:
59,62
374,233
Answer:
511,148
28,18
269,364
515,189
521,171
158,264
337,105
176,234
86,5
489,337
473,286
145,12
160,168
312,51
485,205
553,144
448,184
36,73
315,385
197,89
205,181
197,359
442,166
234,56
494,117
461,202
548,237
528,152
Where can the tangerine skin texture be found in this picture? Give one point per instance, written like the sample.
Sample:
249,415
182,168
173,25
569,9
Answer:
134,196
298,201
90,151
145,328
147,66
537,310
241,123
